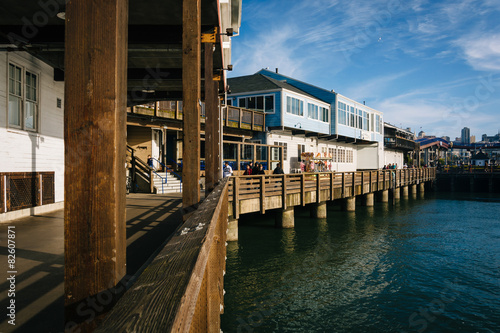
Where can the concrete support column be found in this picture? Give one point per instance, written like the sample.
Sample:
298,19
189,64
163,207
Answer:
368,200
421,187
404,191
383,196
318,210
349,204
232,230
490,185
285,218
471,184
413,190
396,193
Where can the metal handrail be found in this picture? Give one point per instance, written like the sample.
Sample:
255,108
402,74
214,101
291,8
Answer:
164,180
178,165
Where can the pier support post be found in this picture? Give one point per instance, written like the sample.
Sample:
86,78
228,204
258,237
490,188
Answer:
396,193
490,185
318,210
349,204
421,187
285,218
404,192
232,230
383,196
471,184
368,199
413,190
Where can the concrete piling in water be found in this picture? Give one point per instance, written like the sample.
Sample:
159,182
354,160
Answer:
421,187
404,192
285,218
318,210
383,196
368,200
232,229
396,194
349,204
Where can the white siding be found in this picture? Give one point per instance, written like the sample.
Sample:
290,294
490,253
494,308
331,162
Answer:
394,156
311,145
22,151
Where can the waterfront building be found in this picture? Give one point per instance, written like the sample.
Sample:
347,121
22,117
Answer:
31,133
399,146
318,129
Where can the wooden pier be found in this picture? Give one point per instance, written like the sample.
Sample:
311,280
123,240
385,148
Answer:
248,194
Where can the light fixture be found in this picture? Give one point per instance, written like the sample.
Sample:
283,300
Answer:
148,91
229,32
299,125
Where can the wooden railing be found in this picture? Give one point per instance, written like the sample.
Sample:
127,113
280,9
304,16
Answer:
233,116
182,289
281,191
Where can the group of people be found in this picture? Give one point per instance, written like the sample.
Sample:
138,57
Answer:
257,169
251,169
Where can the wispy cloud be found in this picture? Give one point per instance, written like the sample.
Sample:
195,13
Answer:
414,60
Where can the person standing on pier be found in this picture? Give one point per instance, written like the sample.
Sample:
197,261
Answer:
278,170
227,171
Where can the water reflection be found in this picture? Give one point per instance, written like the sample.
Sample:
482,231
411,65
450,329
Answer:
367,271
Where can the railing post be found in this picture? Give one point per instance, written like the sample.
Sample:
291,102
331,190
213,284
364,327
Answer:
362,182
343,184
302,189
236,199
283,205
354,183
262,194
151,181
331,185
318,187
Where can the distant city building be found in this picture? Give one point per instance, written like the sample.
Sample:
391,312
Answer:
472,138
421,134
465,135
494,138
447,138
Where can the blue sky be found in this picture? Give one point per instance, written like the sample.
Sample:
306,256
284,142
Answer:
433,65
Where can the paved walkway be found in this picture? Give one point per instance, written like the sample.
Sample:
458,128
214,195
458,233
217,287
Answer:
39,286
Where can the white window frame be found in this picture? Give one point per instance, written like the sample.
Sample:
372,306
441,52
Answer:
263,102
24,98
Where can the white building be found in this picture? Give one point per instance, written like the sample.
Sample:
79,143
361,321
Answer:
31,134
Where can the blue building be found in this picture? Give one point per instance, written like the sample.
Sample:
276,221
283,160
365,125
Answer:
341,134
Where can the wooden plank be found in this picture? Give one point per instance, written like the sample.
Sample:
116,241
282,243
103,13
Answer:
95,151
191,87
212,121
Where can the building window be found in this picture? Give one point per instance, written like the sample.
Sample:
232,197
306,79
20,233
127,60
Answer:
352,117
229,102
23,98
312,111
294,106
366,121
284,147
360,119
301,149
258,103
342,113
323,114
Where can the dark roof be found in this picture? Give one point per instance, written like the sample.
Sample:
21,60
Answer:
259,82
480,156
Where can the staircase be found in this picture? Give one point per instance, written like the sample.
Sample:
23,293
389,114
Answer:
173,184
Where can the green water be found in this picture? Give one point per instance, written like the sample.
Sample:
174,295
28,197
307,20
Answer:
421,266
